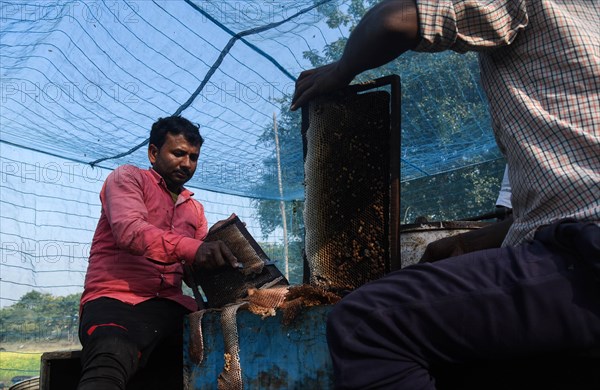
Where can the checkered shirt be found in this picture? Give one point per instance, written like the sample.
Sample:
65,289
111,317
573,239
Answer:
540,68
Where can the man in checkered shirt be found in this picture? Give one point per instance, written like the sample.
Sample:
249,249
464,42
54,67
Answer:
539,292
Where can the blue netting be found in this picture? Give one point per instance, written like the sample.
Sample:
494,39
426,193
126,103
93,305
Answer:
83,81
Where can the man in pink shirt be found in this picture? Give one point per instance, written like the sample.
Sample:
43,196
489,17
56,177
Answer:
132,306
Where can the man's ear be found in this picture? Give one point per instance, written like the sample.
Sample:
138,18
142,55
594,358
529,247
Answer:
152,153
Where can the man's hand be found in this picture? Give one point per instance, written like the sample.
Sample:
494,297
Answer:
386,31
318,81
484,238
443,249
215,254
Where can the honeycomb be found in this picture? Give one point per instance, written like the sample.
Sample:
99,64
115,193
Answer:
347,190
227,285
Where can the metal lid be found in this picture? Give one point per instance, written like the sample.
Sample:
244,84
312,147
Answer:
442,225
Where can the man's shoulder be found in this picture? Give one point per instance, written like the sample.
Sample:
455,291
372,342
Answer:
128,173
128,170
197,202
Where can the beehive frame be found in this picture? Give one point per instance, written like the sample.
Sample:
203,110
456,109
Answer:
360,122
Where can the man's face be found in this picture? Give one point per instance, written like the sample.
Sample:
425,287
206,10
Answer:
175,161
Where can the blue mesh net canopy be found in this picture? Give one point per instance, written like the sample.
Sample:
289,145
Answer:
83,81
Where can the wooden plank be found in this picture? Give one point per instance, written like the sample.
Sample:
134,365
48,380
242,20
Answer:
60,370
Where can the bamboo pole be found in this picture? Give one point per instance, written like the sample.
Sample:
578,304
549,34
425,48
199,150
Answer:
281,202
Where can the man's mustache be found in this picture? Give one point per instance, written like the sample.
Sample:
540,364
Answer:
184,171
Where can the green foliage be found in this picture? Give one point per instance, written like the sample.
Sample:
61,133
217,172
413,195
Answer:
273,219
294,266
443,109
38,316
454,195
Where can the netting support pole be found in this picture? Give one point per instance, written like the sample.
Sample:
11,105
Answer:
281,202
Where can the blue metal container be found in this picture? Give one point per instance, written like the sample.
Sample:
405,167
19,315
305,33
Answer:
272,355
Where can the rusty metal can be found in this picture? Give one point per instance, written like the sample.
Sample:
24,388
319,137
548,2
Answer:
414,238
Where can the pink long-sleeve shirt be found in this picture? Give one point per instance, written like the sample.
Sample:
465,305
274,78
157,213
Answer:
142,239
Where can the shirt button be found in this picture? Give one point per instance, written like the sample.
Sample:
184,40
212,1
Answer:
157,294
162,276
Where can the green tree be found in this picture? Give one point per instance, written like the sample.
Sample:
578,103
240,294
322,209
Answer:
39,316
445,127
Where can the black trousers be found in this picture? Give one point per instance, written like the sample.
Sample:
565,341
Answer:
131,347
539,297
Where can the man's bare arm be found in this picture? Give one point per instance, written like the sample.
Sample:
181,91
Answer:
386,31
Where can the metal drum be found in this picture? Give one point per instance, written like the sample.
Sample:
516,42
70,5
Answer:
414,238
28,384
272,355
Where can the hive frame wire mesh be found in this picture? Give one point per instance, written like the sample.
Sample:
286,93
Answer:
389,241
226,285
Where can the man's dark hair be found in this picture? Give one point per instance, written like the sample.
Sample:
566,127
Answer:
175,125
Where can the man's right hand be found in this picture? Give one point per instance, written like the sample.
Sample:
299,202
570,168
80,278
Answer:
387,30
214,254
318,81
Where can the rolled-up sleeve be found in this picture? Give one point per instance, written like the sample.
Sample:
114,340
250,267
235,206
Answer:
469,25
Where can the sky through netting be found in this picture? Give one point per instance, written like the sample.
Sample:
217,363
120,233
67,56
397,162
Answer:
83,81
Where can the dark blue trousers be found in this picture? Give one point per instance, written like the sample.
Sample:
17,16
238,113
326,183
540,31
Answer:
514,302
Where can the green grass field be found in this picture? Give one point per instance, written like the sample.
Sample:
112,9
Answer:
24,358
18,363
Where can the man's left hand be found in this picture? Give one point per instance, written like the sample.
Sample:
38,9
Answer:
484,238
